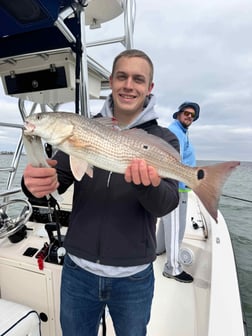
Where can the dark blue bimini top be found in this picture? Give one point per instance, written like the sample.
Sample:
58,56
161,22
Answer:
28,26
18,17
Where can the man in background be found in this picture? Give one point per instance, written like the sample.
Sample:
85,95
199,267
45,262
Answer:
172,226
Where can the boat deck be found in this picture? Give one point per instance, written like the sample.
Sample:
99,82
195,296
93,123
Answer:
166,318
173,307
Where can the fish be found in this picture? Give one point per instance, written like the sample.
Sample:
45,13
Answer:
36,156
97,142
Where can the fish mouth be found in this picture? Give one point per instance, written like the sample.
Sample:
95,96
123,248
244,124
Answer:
28,128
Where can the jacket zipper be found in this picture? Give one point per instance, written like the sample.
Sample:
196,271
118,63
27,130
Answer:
108,183
109,178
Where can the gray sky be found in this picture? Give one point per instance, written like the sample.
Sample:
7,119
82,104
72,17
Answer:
201,52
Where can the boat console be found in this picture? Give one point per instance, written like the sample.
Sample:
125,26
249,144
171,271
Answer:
31,255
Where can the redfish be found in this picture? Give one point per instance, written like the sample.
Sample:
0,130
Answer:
98,142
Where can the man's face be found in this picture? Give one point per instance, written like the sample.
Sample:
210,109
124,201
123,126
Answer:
186,117
130,85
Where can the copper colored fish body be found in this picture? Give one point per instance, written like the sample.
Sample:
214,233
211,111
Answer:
98,142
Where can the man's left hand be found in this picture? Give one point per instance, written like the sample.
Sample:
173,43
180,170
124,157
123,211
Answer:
139,172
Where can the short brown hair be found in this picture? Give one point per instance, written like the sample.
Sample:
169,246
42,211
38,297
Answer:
134,53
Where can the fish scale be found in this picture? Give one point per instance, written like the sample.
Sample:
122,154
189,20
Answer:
124,149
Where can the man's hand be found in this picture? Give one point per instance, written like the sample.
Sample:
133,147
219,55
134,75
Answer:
139,172
41,181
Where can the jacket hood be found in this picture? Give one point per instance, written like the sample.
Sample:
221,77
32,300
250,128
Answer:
147,114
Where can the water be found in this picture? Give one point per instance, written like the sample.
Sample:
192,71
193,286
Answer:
236,212
238,216
6,161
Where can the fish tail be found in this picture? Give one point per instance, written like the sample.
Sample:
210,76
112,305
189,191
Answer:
212,180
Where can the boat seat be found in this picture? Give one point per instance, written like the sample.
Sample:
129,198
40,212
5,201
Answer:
17,320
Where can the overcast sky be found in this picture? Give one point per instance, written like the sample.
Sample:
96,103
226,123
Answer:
202,52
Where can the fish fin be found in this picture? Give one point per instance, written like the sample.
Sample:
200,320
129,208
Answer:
80,167
108,122
65,131
212,179
34,150
36,156
141,135
90,171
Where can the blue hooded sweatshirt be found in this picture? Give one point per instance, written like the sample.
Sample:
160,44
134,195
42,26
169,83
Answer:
186,148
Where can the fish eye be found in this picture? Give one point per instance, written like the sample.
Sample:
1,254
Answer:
200,174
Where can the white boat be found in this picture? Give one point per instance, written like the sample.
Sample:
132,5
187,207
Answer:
29,287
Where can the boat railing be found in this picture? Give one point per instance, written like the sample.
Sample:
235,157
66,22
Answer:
12,169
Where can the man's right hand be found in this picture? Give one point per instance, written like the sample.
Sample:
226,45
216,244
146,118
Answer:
41,181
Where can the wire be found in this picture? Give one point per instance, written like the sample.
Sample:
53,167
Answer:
237,198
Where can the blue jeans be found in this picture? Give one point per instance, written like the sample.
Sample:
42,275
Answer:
84,296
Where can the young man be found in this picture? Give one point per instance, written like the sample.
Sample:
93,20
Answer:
111,240
172,226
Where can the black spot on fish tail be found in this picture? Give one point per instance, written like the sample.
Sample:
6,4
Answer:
200,174
211,180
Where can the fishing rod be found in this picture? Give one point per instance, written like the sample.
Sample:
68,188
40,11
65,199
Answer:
237,198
